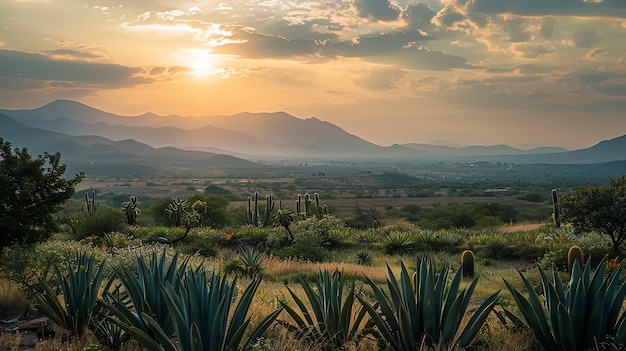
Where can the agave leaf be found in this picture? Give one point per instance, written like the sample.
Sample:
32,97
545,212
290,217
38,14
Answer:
451,320
565,330
261,328
617,302
410,301
477,320
595,324
535,318
388,326
302,307
406,334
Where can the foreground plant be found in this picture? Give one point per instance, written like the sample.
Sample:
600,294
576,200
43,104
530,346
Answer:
140,291
200,309
330,321
430,313
75,308
580,315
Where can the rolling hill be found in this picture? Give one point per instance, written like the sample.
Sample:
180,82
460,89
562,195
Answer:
280,135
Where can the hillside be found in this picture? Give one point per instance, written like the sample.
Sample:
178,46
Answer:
280,135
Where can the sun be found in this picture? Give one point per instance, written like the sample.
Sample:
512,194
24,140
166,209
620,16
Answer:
201,62
202,67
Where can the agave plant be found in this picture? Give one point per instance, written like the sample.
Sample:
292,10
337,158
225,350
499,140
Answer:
429,313
200,309
252,258
79,290
398,242
330,320
578,316
140,292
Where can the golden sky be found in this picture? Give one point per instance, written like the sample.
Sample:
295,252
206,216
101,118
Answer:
517,72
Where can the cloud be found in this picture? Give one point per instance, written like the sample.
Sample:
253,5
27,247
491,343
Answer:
418,15
381,78
69,54
582,8
372,45
17,64
247,43
517,30
595,53
378,10
531,51
250,44
611,89
546,28
423,58
585,38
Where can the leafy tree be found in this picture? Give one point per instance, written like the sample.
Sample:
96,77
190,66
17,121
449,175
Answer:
31,191
601,208
216,212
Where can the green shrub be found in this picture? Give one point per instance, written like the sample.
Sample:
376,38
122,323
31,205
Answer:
251,235
309,247
232,265
104,220
320,227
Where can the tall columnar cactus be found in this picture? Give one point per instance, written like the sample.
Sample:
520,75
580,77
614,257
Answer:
575,253
90,203
467,263
253,212
307,204
299,205
555,205
269,207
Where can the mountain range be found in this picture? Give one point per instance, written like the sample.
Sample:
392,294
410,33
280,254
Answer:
84,133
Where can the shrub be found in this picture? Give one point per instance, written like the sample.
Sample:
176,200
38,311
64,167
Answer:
252,235
100,222
306,247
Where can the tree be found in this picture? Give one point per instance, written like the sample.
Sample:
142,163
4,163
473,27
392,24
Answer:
601,208
31,191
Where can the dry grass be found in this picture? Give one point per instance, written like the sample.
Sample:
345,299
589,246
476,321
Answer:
13,300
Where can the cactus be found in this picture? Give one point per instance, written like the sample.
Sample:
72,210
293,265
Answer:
130,210
253,211
90,203
575,253
555,205
253,214
299,205
269,207
307,205
467,263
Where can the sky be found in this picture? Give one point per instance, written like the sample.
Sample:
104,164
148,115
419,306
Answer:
470,72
